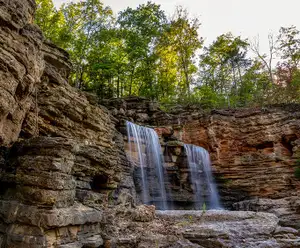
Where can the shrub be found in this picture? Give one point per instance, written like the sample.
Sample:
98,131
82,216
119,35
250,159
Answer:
297,169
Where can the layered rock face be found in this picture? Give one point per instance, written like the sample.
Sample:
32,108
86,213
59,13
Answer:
253,151
199,229
65,180
68,163
21,65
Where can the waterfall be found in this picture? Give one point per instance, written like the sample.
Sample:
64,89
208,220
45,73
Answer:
203,184
145,149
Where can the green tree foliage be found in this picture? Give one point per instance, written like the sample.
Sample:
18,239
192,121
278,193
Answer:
289,45
51,21
297,169
88,23
176,50
142,52
223,66
287,89
185,41
108,65
140,29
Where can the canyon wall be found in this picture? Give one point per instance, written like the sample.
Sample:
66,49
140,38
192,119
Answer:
253,151
62,161
65,181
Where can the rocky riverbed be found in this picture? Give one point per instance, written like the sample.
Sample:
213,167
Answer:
214,228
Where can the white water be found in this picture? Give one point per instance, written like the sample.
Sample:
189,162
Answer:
201,177
144,141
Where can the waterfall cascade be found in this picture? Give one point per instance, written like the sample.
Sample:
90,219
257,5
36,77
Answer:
204,187
145,149
191,184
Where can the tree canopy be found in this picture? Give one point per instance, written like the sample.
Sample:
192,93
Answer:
142,52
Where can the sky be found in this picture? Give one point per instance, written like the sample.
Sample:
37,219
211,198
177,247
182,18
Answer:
248,18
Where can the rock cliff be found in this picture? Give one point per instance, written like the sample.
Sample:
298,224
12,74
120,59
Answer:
65,181
62,161
253,151
21,63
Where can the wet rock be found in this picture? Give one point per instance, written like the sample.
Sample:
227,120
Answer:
253,151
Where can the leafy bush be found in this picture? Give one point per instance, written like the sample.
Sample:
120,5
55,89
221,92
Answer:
297,169
297,172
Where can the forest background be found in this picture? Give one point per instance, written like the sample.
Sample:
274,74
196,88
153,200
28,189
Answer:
142,52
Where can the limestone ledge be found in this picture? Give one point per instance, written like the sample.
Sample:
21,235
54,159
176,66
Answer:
218,228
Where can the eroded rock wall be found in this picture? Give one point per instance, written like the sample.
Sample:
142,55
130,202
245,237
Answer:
64,177
62,161
253,151
21,65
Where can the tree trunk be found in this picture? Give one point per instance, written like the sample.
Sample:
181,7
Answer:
118,86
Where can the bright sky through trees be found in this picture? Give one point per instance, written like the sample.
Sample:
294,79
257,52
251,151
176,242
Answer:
247,18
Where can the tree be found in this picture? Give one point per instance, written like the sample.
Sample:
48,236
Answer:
266,59
185,41
289,45
143,53
256,81
51,21
108,65
141,28
287,70
223,64
167,71
85,21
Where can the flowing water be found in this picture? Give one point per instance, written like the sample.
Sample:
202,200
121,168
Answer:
144,147
203,184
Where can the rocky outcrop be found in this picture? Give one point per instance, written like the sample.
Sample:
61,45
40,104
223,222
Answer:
253,151
55,201
179,229
21,65
65,180
287,209
62,161
17,14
